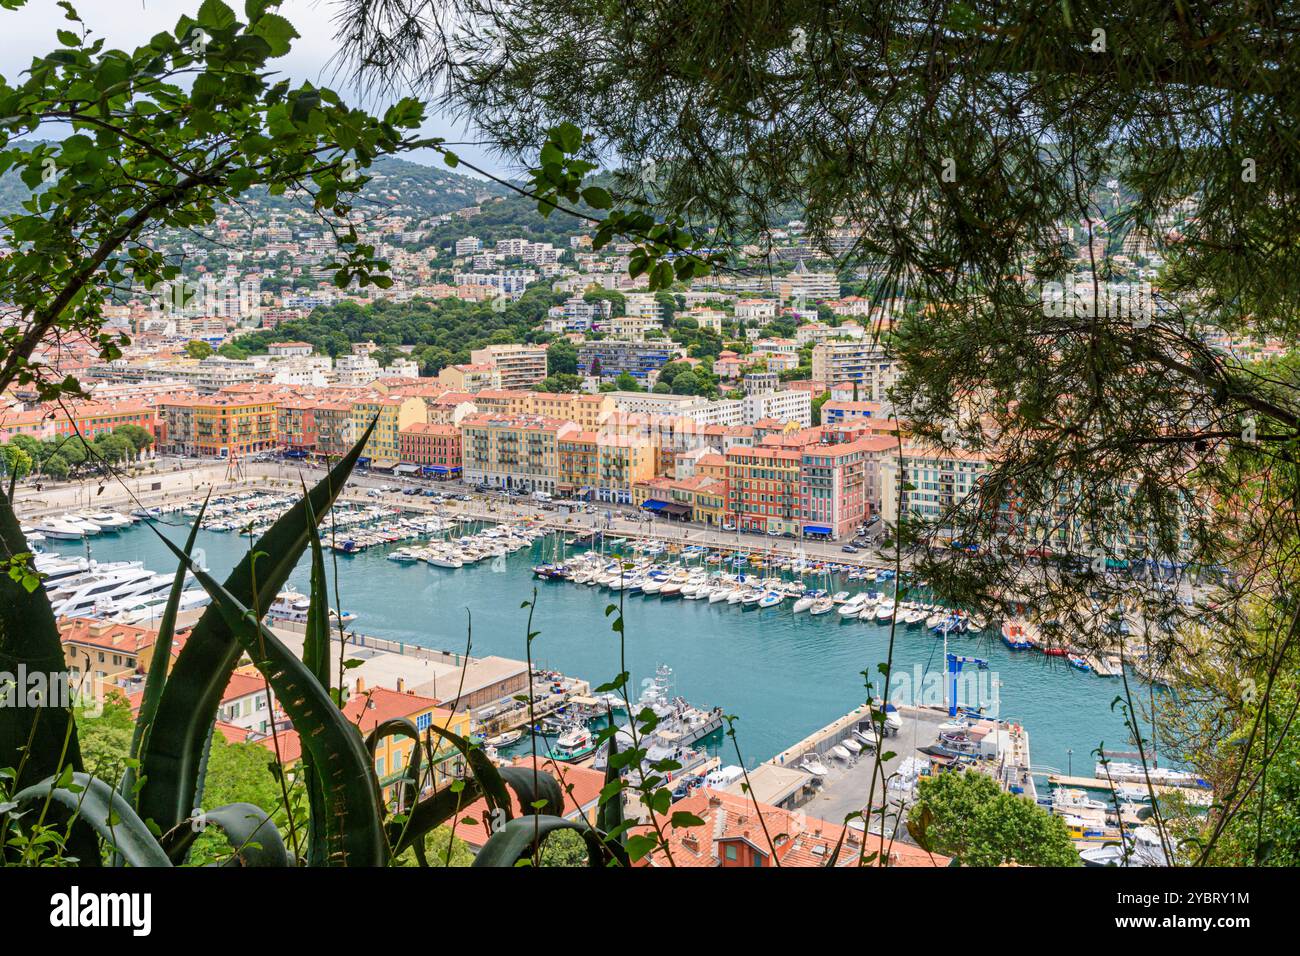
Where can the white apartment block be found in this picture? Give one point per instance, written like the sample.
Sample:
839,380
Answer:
519,366
355,370
468,246
756,310
862,362
785,406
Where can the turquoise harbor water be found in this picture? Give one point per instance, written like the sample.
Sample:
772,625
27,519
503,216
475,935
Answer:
784,675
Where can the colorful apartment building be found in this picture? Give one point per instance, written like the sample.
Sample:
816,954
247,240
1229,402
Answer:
586,411
863,363
434,447
295,426
92,419
933,482
368,707
622,461
470,377
335,434
763,488
698,499
579,464
391,413
513,451
218,426
833,488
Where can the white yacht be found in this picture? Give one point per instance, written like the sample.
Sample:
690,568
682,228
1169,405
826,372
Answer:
60,529
853,606
108,520
149,611
87,526
101,589
293,606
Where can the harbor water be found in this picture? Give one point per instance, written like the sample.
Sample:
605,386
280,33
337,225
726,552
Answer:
782,675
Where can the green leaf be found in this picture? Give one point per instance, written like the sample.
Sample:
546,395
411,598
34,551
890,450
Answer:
96,803
170,761
597,198
518,839
214,13
248,829
353,833
160,661
278,33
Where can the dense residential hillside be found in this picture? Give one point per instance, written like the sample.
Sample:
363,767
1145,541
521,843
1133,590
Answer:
414,189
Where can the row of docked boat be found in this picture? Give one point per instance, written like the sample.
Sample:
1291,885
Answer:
76,525
1021,635
646,577
771,561
124,592
494,542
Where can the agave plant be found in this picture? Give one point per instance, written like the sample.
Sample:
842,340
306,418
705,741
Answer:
55,811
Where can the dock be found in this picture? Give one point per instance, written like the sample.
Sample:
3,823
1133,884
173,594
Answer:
1193,793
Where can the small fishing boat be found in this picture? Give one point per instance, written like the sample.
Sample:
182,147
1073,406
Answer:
853,746
505,739
574,744
853,606
770,599
822,605
840,752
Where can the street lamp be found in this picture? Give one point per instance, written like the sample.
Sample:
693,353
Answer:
1069,757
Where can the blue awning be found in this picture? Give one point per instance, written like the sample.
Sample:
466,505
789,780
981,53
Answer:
363,462
816,529
654,504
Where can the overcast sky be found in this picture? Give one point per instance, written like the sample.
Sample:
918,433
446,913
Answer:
126,24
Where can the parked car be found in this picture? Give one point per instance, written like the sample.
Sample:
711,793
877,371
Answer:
849,549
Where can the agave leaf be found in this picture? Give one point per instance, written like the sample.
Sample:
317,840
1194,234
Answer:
315,655
353,834
192,694
158,664
400,727
105,810
36,741
533,787
248,829
483,769
518,839
609,817
430,813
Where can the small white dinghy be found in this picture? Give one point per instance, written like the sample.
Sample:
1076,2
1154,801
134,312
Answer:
841,753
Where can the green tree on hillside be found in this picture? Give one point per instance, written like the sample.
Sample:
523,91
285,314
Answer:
966,815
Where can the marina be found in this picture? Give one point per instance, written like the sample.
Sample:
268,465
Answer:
756,663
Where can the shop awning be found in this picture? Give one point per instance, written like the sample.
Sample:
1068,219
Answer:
654,504
816,529
363,462
675,509
384,464
406,470
438,469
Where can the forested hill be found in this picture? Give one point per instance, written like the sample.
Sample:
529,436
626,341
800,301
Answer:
435,334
